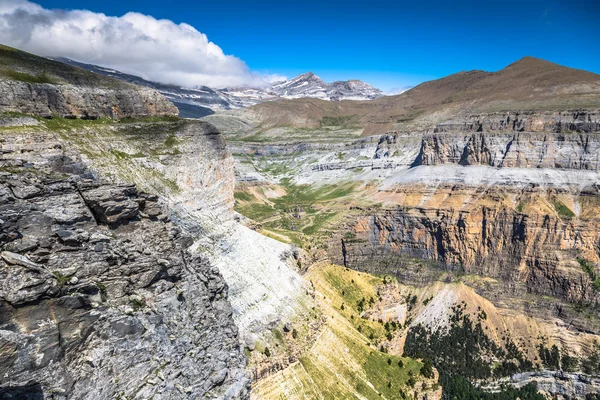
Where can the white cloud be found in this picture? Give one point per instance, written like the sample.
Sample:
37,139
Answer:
138,44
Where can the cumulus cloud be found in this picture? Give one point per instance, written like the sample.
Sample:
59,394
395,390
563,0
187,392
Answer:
158,50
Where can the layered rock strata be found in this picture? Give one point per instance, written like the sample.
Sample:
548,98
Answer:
38,86
70,101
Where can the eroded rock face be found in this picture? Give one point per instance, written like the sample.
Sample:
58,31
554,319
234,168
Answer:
520,207
533,250
553,383
99,298
515,150
581,121
66,100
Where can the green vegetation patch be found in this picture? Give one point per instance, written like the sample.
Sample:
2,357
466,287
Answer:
590,269
61,124
121,155
461,352
591,365
243,196
28,78
303,212
360,368
171,141
341,121
354,292
562,210
156,118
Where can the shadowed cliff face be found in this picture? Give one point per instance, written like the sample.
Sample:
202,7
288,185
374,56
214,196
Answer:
534,251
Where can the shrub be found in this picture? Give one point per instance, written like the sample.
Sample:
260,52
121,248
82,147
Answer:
427,368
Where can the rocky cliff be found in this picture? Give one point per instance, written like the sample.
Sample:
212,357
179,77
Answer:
100,298
38,86
578,120
512,150
534,251
516,206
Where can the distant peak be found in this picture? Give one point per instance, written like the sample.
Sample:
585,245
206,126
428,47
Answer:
309,75
530,62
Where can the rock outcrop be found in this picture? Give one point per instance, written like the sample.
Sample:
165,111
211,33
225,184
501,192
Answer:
99,297
567,385
42,87
531,252
513,150
69,101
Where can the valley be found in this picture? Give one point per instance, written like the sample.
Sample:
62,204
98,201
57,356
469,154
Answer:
496,211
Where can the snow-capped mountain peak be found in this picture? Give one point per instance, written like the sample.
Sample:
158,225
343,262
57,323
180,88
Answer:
310,85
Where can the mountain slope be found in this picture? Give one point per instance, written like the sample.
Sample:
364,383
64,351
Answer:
196,102
528,84
35,85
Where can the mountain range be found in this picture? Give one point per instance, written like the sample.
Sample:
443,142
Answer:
196,102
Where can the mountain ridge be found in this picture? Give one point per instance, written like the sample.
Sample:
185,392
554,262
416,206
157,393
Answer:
39,86
527,84
196,102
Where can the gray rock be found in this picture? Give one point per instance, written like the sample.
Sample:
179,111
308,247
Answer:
68,100
120,310
111,205
17,259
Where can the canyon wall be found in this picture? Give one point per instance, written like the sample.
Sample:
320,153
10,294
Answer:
39,86
512,150
578,120
537,251
518,206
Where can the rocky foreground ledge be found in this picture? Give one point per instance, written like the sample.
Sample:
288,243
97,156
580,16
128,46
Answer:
99,298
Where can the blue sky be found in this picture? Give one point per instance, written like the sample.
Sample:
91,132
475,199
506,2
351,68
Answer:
389,44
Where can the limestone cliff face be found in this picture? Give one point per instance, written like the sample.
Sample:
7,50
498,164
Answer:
66,100
36,85
185,162
521,207
99,297
513,150
536,250
580,121
188,164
